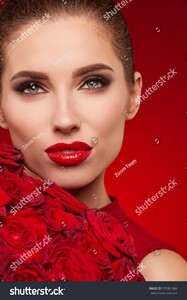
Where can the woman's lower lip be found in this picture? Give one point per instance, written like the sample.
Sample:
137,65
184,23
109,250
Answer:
69,159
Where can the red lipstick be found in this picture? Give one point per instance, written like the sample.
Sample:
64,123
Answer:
69,154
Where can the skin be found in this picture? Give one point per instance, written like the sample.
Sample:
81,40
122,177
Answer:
66,109
167,266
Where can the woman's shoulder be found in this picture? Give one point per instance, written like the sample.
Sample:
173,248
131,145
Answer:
167,266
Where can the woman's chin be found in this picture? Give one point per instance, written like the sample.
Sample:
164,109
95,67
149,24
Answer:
70,182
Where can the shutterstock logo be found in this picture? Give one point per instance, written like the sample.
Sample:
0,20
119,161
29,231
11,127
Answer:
117,7
162,191
25,200
158,84
31,30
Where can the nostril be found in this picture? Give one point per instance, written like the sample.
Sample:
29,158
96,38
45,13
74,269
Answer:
66,130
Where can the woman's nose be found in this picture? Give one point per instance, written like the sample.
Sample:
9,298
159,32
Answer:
65,118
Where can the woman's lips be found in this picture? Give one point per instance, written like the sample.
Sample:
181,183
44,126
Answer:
69,154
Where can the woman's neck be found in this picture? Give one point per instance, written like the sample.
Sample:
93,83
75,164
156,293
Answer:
93,195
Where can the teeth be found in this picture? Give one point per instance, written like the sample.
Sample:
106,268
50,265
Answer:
68,151
73,156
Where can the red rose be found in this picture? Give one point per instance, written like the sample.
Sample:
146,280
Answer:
69,261
4,254
57,219
20,191
22,231
121,268
125,270
3,213
71,203
114,239
14,187
88,244
11,157
26,272
4,199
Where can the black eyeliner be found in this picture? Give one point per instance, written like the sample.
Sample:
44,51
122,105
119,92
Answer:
21,86
104,80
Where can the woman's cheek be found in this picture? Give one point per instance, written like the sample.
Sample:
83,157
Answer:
20,126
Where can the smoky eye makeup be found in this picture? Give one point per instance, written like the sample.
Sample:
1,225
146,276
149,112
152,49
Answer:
91,83
95,82
29,88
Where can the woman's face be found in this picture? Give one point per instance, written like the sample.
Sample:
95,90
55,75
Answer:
63,84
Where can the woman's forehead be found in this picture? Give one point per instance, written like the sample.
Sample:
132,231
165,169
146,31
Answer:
55,40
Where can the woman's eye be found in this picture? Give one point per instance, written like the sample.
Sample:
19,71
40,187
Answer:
95,83
30,88
92,84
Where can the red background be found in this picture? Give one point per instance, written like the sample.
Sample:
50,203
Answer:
163,116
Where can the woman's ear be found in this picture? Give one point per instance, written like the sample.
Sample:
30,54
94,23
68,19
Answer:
3,122
135,93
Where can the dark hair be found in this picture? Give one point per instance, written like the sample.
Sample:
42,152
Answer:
17,13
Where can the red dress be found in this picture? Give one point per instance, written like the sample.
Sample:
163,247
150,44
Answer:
143,241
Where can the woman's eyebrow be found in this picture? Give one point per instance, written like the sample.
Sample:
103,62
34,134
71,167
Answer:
77,73
30,74
87,69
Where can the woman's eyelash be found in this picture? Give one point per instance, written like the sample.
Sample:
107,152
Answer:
102,81
32,85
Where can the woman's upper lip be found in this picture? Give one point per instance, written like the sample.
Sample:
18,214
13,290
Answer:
76,146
